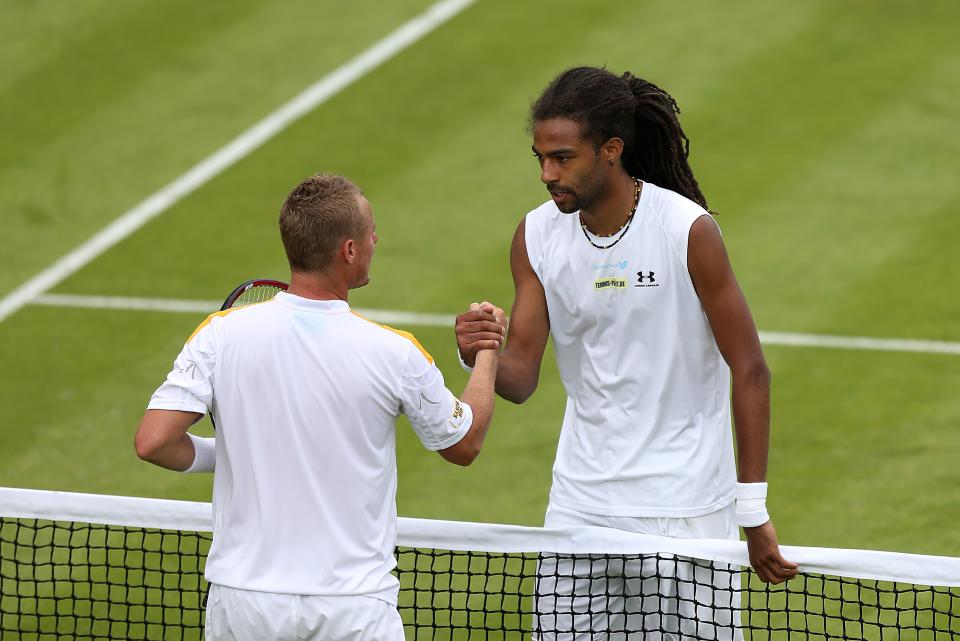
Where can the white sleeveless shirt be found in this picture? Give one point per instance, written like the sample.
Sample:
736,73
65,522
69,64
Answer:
647,429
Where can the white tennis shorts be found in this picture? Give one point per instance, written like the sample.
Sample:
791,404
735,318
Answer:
668,598
245,615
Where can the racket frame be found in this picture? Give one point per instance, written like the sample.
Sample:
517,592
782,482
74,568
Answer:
238,292
243,287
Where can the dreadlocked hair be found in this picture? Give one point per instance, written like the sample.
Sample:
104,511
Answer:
638,112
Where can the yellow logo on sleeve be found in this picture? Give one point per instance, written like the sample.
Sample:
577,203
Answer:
456,420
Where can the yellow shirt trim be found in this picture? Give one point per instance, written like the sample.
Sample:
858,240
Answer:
220,313
399,332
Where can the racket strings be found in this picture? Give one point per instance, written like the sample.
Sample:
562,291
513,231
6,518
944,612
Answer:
253,291
256,294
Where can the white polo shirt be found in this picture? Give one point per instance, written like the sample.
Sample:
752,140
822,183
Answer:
305,394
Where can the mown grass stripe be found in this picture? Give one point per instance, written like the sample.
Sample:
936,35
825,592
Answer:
238,148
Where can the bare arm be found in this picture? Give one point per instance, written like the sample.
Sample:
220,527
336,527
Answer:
162,438
518,372
736,335
478,394
739,343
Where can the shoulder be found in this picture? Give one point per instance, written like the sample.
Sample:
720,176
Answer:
540,225
217,319
672,208
397,340
547,210
674,214
542,217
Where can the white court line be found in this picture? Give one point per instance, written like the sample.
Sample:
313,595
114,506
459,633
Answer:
207,306
860,342
238,148
122,302
447,320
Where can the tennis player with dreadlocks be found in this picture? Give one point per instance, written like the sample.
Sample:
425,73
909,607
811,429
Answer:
626,268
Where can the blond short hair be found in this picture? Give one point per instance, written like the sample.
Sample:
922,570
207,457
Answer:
317,216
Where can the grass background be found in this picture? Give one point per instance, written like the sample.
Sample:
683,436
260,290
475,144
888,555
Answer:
825,133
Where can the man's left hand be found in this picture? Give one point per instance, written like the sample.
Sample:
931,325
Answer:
765,556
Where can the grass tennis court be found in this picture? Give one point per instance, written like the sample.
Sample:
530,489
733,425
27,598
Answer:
824,133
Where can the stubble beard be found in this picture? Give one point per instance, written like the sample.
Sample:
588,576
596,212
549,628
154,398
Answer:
584,194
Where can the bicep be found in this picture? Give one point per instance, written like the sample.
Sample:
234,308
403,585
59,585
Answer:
720,295
529,320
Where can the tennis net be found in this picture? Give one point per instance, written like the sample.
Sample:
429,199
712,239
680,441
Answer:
80,566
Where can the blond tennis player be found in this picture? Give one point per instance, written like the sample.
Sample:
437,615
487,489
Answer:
305,393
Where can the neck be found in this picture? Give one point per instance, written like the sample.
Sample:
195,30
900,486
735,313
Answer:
317,286
610,210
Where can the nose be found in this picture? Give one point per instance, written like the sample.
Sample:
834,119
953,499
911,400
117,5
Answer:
548,172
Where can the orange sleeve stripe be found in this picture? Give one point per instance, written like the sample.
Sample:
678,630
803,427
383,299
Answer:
400,332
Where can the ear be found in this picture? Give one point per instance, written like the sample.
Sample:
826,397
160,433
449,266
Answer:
612,150
349,251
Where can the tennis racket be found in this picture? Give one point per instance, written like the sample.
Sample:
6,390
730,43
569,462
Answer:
253,291
248,293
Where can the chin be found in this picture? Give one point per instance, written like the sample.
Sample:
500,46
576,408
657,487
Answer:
569,205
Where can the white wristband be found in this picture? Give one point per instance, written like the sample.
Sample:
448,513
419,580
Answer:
465,367
752,504
205,454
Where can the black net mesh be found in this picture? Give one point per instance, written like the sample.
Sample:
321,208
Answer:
474,595
65,580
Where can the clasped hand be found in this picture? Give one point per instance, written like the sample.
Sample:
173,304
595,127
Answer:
484,326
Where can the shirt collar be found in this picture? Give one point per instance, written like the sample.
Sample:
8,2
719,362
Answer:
313,305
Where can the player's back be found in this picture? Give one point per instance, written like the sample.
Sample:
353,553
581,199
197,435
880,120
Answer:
306,394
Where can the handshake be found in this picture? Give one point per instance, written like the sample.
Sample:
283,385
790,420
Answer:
483,327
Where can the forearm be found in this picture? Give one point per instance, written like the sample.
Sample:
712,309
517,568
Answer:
751,408
478,394
751,415
517,376
162,439
177,455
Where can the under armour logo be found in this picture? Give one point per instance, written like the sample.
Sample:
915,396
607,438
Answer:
641,276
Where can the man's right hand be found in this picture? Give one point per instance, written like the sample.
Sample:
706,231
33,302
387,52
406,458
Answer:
484,326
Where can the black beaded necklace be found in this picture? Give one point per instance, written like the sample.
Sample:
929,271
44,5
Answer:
623,228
